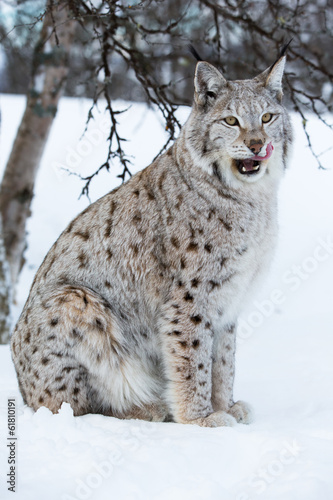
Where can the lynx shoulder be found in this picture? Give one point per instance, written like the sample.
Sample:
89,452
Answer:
133,312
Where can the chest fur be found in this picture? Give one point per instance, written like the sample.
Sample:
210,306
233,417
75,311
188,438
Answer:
222,248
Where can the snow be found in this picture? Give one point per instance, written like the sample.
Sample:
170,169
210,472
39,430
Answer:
284,366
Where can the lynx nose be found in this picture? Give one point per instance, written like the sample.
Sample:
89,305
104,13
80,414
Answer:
256,145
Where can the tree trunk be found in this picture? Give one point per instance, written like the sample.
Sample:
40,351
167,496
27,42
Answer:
5,293
49,72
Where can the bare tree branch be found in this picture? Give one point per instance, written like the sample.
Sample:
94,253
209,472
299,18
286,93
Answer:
140,50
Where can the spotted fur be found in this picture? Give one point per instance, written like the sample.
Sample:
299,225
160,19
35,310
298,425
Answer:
133,312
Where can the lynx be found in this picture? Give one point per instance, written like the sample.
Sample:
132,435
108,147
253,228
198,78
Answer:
133,312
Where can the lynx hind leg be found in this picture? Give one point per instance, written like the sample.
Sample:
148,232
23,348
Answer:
58,349
155,412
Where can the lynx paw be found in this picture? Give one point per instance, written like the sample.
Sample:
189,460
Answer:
242,412
216,419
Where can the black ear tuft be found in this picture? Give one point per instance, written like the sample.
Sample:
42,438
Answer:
285,48
194,53
282,53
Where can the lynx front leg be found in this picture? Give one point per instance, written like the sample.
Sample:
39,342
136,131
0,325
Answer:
223,373
188,343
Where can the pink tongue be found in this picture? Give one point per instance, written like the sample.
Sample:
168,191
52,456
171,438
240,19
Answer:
269,151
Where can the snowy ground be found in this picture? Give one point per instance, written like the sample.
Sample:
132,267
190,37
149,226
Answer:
284,365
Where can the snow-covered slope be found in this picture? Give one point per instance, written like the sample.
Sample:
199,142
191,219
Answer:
284,353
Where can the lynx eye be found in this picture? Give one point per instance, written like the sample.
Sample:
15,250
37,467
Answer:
231,120
267,117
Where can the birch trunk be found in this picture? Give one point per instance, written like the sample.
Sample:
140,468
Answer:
5,294
50,68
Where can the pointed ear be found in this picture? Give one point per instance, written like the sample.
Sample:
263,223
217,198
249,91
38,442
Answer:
208,81
272,77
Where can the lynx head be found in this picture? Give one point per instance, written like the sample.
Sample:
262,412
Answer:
238,130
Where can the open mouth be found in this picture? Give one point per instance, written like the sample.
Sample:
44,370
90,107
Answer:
248,167
251,166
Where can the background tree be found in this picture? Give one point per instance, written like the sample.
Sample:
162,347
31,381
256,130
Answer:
5,293
48,75
49,72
